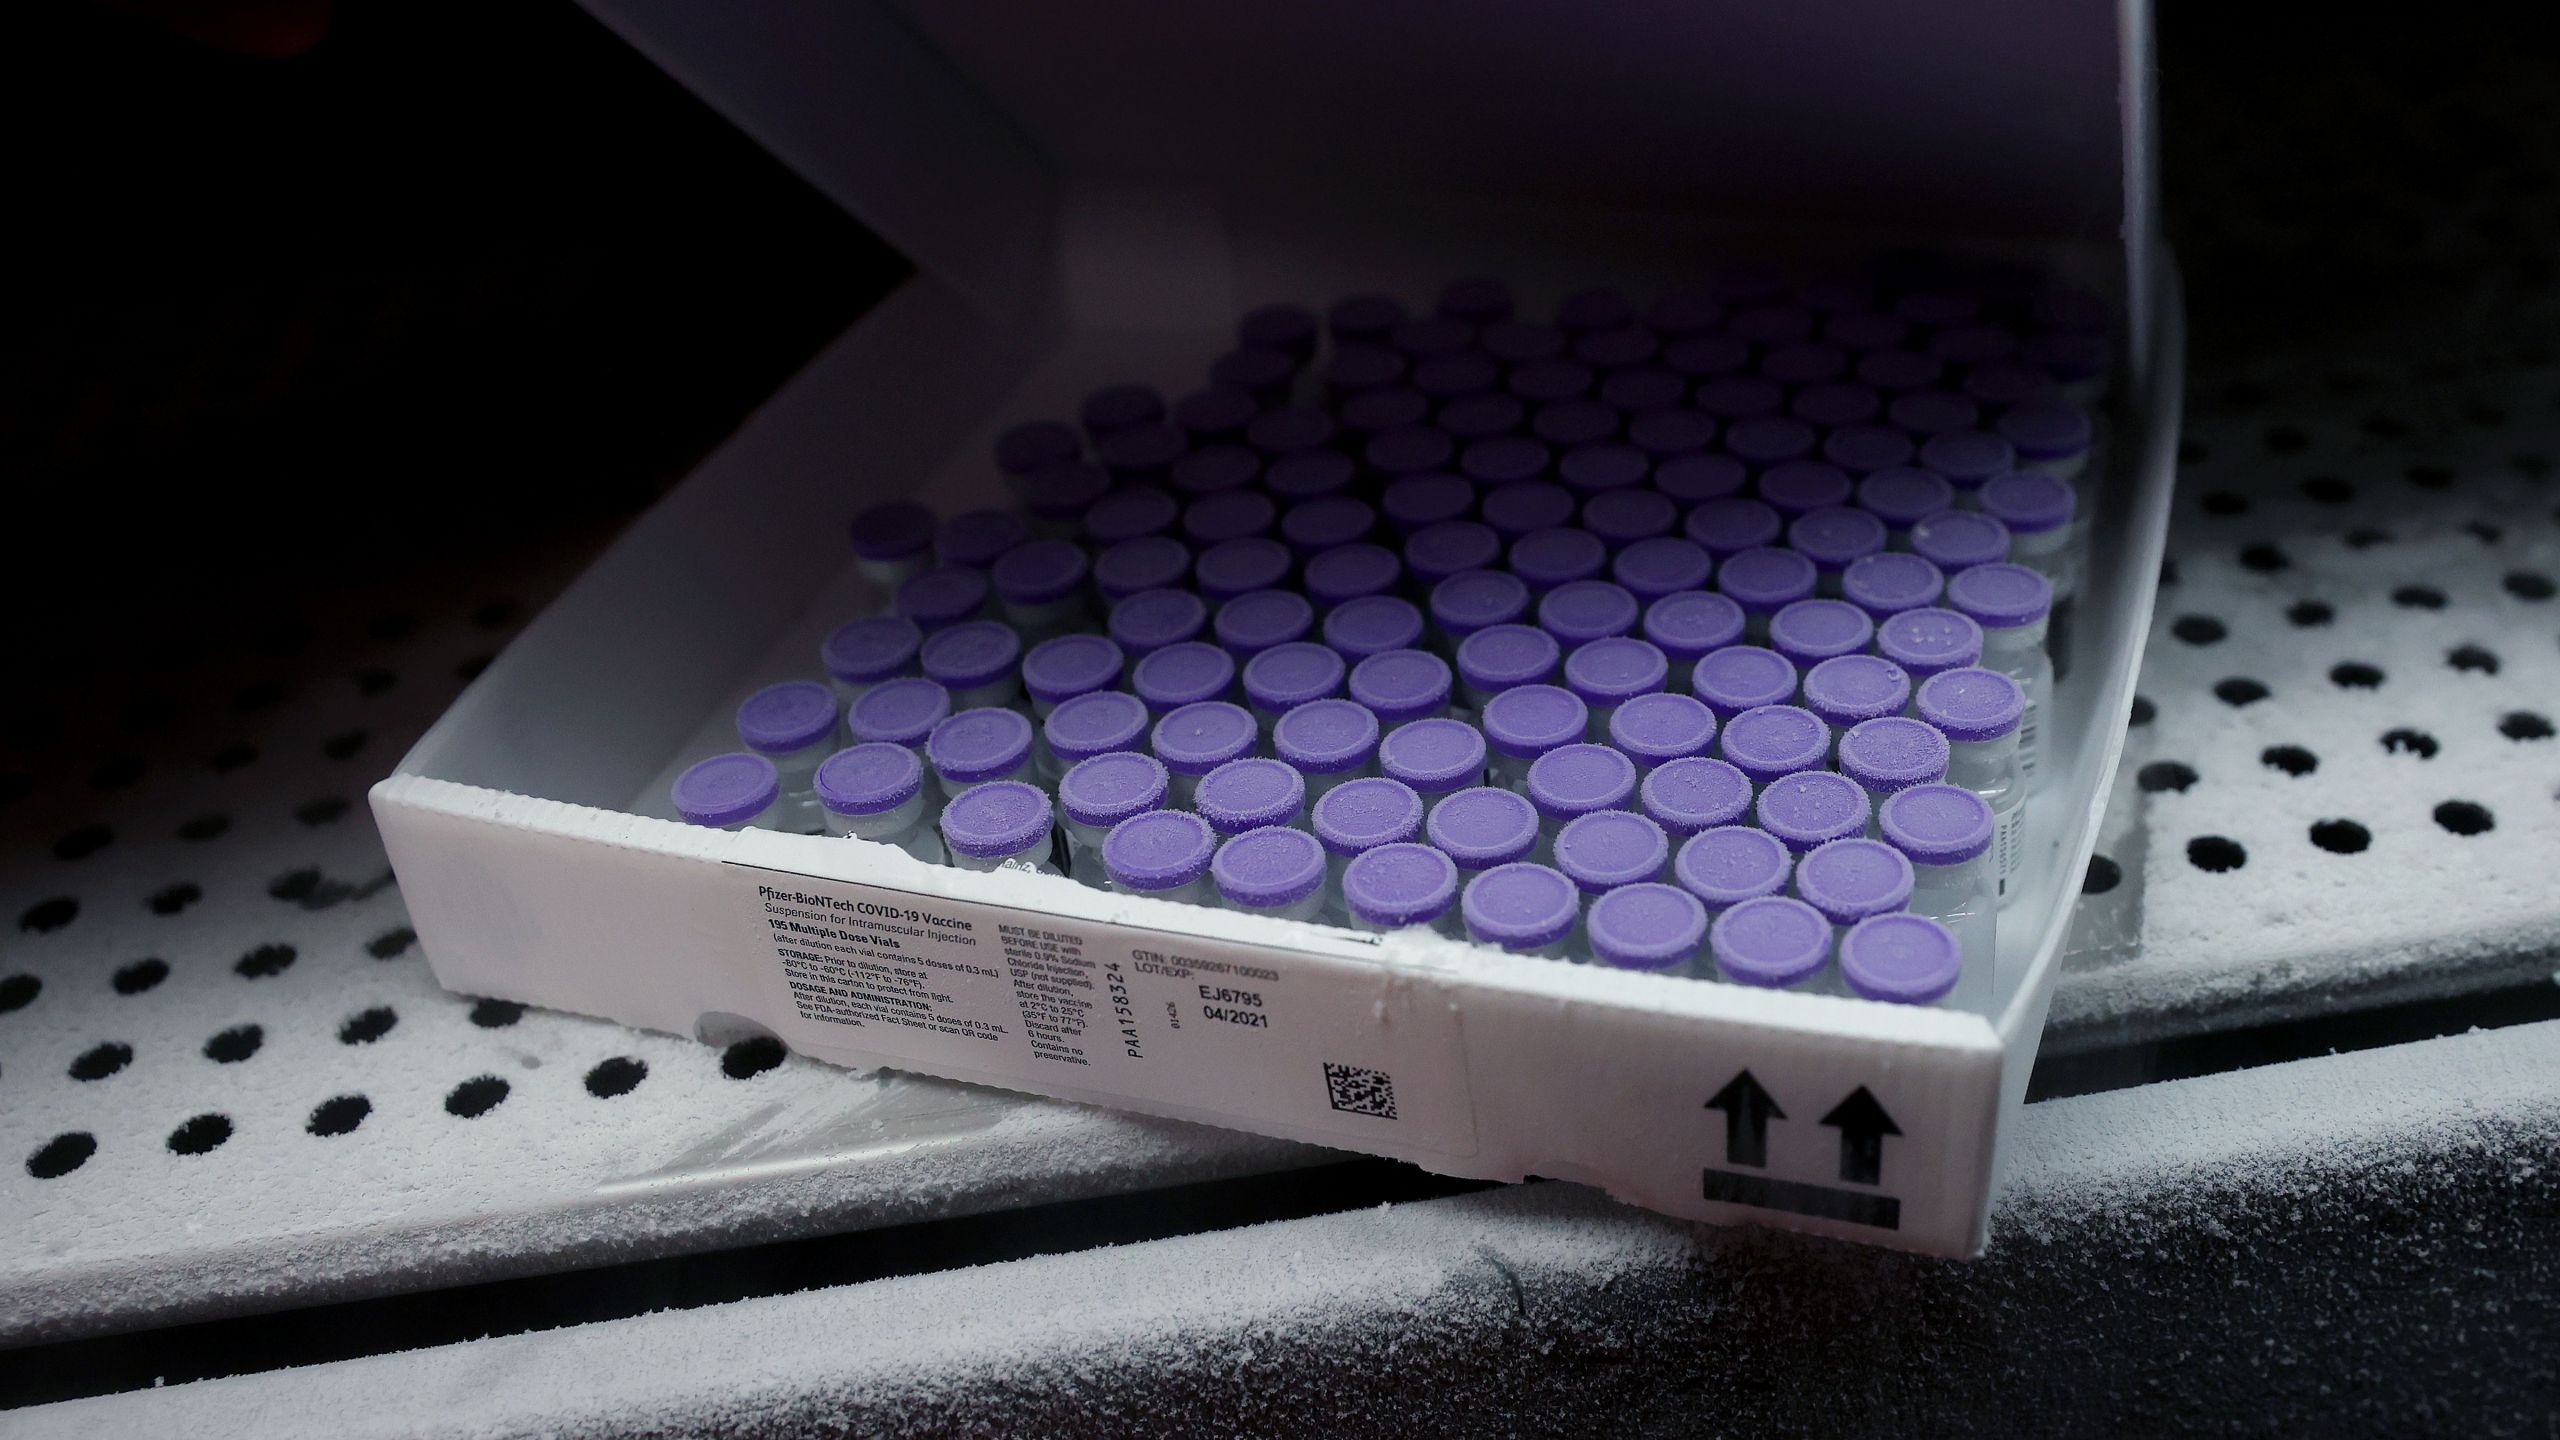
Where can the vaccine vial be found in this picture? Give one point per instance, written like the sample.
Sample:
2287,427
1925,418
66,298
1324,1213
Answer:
1933,412
1436,552
893,543
1888,584
978,661
1273,871
1505,657
1329,741
1197,739
1372,625
1687,627
1967,458
1364,319
1381,410
1152,619
1401,886
1351,572
1603,465
865,652
1608,672
1797,488
1178,675
1118,407
1849,690
1100,793
1836,404
1254,793
2077,365
1090,725
1834,538
1003,826
876,792
898,712
978,538
1285,677
1164,855
1140,456
1360,815
1408,450
1809,632
1929,639
1774,942
1658,727
1902,960
1587,610
943,596
977,746
1852,880
1692,480
1302,476
1497,461
1212,469
1694,794
1150,562
1289,428
1625,518
1482,827
1040,588
1312,527
1946,833
1956,540
1656,567
1131,510
1529,721
1743,677
2052,435
1900,372
1902,498
1730,864
728,792
2011,604
1763,581
1609,848
1434,756
1891,754
1575,780
1355,368
1524,908
1978,711
1058,670
1766,742
1214,415
1767,441
1812,808
1524,507
1651,927
1474,600
793,725
1419,501
1036,445
2046,534
1060,496
1863,449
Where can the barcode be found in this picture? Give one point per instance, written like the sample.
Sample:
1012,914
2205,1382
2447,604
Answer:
1356,1091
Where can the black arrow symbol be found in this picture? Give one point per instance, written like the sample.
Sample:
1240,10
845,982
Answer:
1863,1126
1748,1109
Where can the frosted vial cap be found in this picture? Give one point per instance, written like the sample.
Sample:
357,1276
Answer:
1251,793
1036,445
1741,399
869,779
1971,704
1215,469
1649,926
1866,449
1901,496
1348,572
1373,810
1117,407
1773,942
1481,416
1603,465
1967,457
1064,492
1850,689
973,746
1974,344
1956,540
1483,826
1355,368
1708,357
1179,675
2069,358
1500,657
1040,572
1732,525
725,790
1658,565
1269,867
1810,632
1473,599
1804,362
1150,562
2047,428
1326,737
1641,389
1386,408
978,537
1696,479
1900,371
1095,724
1503,459
1609,848
1574,422
1152,619
1735,678
1574,780
1731,864
1626,517
1318,525
1854,879
1799,487
2003,383
1692,623
1291,427
1616,348
1937,824
1253,370
1769,439
1214,414
1694,793
1229,515
1419,500
1360,628
1141,450
1303,475
1559,555
1520,906
998,819
2029,503
1400,884
1467,372
872,649
1928,639
2000,597
1551,381
1865,330
1527,721
1890,583
1520,342
1585,610
1893,752
1401,685
897,530
1765,579
1615,669
938,597
1286,676
1902,959
1129,512
1434,755
1933,412
1409,450
1477,300
901,712
1202,736
971,654
1071,665
1238,567
1278,326
1252,623
1769,741
1836,535
1771,324
1363,317
1160,850
1692,310
1837,404
1515,509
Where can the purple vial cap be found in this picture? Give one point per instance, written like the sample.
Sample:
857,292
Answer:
1240,567
1500,657
1129,512
2029,503
1348,572
978,745
892,531
1150,562
1526,721
1928,639
1799,487
1901,959
2001,383
1603,465
1891,583
1036,445
1434,755
1956,540
1278,327
1772,942
1473,599
1520,906
1771,324
1117,407
1214,414
1159,850
1848,689
1597,308
1250,794
1836,536
1545,559
2070,358
1732,864
1585,610
1180,675
1548,382
1521,342
1807,362
1864,331
1326,737
1401,685
997,819
1768,741
1470,418
1691,310
1291,427
1646,390
1322,524
1447,377
1436,552
1419,500
1647,927
977,537
1228,515
1812,807
1765,440
1628,517
1503,460
1692,623
869,779
1064,492
1399,884
1937,824
1409,450
1269,867
1484,826
971,654
1040,572
2000,597
1095,724
900,712
1615,669
1060,669
1809,632
869,650
1616,349
725,789
1141,451
1515,509
1736,678
1577,779
1897,371
1831,406
1568,423
2050,428
1609,848
941,596
1967,457
1363,317
1198,738
1358,629
1933,412
1384,410
1253,370
1893,752
1709,357
1656,566
1252,623
1904,495
1971,704
1309,475
1355,368
1477,300
1152,619
1727,527
1695,479
1866,449
1765,579
1287,676
1854,879
1357,815
1658,726
1694,793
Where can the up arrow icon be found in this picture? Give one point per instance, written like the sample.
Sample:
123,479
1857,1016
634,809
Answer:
1863,1126
1748,1109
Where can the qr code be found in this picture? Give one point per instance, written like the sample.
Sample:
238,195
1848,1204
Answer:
1360,1092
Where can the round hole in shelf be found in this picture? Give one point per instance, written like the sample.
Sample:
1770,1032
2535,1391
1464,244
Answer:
2168,572
17,992
343,745
2524,725
391,944
62,1154
204,827
234,1045
139,976
2328,490
266,962
475,1097
82,843
2199,629
2365,538
2307,613
295,886
326,810
366,1026
2340,837
618,1076
2466,817
2473,659
2418,597
2264,558
751,1057
46,916
2102,876
2405,741
2291,759
2216,854
204,1133
2223,502
2143,711
2484,532
2240,690
173,899
2529,585
101,1060
338,1115
2356,675
495,1014
2164,775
